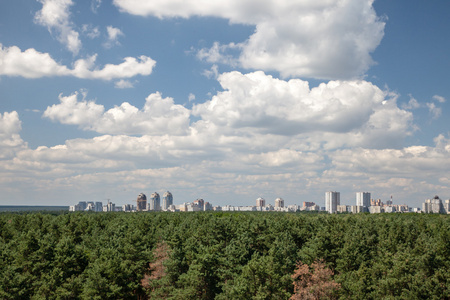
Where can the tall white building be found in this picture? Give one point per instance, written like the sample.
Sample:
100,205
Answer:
260,202
155,202
167,200
363,199
433,206
279,202
332,200
447,206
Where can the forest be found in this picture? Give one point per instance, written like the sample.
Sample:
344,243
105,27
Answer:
221,255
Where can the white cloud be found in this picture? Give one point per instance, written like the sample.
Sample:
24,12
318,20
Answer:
159,116
10,140
131,67
123,84
113,36
95,5
412,103
55,15
320,39
33,64
338,113
434,110
191,97
212,73
217,54
90,31
29,64
413,161
439,99
72,112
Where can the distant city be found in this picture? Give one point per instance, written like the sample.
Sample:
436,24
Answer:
363,203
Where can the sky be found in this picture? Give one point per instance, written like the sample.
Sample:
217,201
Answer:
224,100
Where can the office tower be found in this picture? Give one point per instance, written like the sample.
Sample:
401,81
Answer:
260,202
332,200
279,202
141,202
363,199
167,200
154,202
98,206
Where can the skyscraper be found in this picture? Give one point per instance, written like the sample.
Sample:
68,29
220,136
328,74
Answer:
154,203
332,200
141,202
167,200
260,202
363,199
279,202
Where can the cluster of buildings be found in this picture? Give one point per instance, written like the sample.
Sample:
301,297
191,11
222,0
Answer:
436,206
364,203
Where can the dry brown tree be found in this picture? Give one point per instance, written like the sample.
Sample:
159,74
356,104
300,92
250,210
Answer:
313,282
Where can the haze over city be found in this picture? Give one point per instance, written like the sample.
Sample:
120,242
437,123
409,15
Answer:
226,101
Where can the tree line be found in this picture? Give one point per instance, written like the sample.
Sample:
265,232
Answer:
224,255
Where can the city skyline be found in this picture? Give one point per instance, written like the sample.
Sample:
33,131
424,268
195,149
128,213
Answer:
330,202
363,204
224,101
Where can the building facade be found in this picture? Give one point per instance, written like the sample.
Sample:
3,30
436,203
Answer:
167,200
260,202
154,202
279,203
433,206
332,200
363,199
141,202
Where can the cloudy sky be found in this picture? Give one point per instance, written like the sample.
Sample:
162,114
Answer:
224,100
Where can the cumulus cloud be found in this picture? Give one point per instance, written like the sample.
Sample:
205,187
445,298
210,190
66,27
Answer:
33,64
320,39
341,112
123,84
159,116
10,140
403,162
55,15
113,36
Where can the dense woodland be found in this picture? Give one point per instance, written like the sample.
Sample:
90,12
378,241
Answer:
214,255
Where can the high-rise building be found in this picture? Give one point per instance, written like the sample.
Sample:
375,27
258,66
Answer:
447,206
167,200
433,206
332,200
98,206
154,202
279,202
141,202
110,206
260,202
308,204
389,202
363,199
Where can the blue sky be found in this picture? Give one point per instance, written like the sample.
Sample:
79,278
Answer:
223,101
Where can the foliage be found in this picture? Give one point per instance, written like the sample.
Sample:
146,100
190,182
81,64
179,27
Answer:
313,283
223,255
